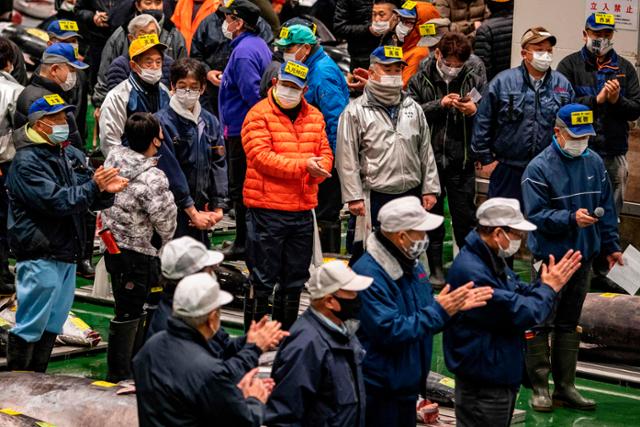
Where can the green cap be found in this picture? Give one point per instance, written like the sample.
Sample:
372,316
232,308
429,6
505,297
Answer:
296,34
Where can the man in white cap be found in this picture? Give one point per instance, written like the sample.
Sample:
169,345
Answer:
318,368
181,380
399,314
185,256
484,346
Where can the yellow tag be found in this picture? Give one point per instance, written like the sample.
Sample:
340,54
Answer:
43,424
79,323
103,384
427,29
75,52
68,25
605,18
148,39
448,382
156,289
228,4
409,5
284,33
609,295
581,118
10,411
296,70
393,52
53,99
314,29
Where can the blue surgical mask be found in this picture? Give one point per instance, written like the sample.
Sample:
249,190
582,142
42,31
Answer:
59,133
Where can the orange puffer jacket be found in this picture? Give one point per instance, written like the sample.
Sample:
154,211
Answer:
277,152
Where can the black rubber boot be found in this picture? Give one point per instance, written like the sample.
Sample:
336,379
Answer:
6,288
564,358
291,309
7,278
122,338
255,307
85,269
330,238
538,369
19,353
236,251
42,352
143,328
434,256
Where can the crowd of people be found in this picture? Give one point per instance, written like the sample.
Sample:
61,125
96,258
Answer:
204,108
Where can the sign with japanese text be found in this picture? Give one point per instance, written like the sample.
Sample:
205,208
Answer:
623,12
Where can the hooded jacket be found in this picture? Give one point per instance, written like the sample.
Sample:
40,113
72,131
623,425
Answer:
412,53
50,189
382,153
450,129
144,207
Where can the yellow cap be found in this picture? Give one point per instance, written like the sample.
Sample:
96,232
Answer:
144,43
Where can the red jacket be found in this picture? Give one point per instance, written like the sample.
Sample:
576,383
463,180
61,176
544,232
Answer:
277,151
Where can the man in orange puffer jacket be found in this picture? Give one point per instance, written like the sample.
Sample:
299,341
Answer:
288,155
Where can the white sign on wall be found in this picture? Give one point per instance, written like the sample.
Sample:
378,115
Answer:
624,11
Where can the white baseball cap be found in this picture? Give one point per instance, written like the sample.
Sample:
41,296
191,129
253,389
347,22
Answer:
184,256
333,276
199,294
502,212
407,213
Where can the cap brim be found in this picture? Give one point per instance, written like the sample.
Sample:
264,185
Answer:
224,298
389,61
225,10
78,65
283,43
214,258
430,41
40,114
578,132
359,283
552,40
599,27
296,81
65,36
405,14
523,225
432,222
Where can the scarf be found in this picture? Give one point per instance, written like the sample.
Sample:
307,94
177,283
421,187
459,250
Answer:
385,95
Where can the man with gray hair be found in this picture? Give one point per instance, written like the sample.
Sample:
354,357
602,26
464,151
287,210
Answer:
180,380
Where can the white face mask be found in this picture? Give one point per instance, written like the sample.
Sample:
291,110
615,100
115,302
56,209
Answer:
288,97
150,76
380,27
394,81
575,147
402,30
67,7
541,61
291,57
448,73
188,99
599,47
514,247
417,247
225,30
70,81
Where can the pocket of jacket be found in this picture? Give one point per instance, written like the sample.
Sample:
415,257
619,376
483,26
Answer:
512,107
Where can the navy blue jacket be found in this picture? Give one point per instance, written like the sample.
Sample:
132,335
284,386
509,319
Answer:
120,69
398,320
50,190
181,381
554,187
486,344
193,158
318,377
611,121
515,122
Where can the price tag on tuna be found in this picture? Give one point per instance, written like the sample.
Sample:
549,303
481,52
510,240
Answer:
296,70
609,295
79,323
427,30
284,33
44,424
149,39
409,5
68,25
53,99
10,411
581,118
448,382
103,384
605,18
156,289
393,52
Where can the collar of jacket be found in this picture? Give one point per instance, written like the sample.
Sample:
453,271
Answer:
304,109
142,86
563,154
527,79
387,261
370,101
332,336
179,329
611,63
484,252
7,76
241,37
192,116
50,85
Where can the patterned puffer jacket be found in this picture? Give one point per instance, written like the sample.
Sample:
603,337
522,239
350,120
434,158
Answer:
277,152
145,206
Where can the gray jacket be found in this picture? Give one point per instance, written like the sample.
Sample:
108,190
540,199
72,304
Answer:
145,206
10,89
374,153
118,44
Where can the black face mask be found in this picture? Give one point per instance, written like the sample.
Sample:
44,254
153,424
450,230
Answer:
349,308
157,14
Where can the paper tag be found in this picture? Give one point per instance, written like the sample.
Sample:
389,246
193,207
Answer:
474,95
427,29
76,54
581,118
53,99
296,70
10,411
409,5
228,4
284,33
605,18
448,382
148,39
314,29
393,52
68,25
609,295
156,289
79,323
44,424
103,384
